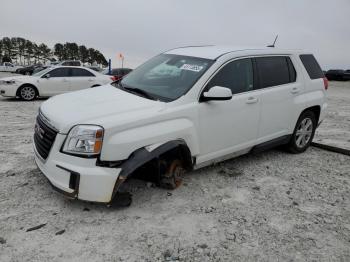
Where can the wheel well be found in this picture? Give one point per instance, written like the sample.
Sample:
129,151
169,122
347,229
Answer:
146,165
315,109
182,152
19,88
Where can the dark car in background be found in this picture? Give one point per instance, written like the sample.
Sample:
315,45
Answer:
70,63
28,70
95,68
347,75
40,68
117,73
335,74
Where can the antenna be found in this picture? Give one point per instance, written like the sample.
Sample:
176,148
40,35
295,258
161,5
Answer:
274,42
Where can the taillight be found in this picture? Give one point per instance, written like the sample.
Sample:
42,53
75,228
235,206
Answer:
113,78
325,82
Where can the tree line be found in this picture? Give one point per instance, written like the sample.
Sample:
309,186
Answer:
25,52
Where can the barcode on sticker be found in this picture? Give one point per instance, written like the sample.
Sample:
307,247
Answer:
195,68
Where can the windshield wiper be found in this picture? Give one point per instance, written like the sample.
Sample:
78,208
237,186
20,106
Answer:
138,91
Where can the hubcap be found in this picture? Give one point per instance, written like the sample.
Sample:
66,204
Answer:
304,132
27,93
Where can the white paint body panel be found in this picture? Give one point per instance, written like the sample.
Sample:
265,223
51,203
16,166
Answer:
9,67
212,130
96,184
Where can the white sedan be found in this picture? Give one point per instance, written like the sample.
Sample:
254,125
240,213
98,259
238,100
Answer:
51,81
9,67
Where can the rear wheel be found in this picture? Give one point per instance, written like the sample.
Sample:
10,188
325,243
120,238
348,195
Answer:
27,73
303,133
27,93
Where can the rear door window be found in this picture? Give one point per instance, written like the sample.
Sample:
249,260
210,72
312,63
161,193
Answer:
275,70
236,75
312,67
79,72
59,72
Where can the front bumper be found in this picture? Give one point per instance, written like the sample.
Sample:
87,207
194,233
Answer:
77,177
8,90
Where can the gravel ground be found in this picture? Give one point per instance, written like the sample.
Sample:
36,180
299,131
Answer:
335,130
271,206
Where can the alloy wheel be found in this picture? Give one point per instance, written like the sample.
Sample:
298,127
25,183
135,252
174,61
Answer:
27,93
304,132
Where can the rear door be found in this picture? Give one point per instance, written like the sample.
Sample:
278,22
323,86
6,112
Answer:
81,79
55,82
279,87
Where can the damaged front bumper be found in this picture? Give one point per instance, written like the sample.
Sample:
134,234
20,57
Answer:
77,177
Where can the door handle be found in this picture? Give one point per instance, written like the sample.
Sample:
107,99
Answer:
90,80
295,90
64,80
252,100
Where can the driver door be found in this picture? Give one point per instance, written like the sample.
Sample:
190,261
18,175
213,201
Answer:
232,125
55,82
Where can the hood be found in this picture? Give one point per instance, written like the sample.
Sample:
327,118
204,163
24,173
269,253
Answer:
100,106
17,78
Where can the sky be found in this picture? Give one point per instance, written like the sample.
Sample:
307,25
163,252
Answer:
140,29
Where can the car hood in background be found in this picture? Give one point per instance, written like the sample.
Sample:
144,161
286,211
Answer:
19,78
104,105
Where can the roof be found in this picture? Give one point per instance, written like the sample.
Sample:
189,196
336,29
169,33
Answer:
213,51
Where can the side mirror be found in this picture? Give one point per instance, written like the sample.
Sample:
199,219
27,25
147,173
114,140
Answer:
46,76
217,93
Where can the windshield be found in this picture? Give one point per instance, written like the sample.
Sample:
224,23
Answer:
42,72
167,77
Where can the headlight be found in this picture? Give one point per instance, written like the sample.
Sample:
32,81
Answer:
84,140
7,82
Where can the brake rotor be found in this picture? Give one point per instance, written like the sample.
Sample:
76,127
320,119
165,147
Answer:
173,177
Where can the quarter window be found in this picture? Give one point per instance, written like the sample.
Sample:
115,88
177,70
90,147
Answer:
275,70
236,75
312,67
59,72
78,72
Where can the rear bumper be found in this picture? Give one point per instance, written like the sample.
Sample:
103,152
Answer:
322,113
77,177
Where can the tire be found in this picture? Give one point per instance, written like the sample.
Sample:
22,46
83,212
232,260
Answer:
303,134
27,73
27,93
173,176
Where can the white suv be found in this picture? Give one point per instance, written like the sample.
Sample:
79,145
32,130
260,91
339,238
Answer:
183,109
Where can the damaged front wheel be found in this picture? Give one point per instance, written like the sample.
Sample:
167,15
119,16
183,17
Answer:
173,176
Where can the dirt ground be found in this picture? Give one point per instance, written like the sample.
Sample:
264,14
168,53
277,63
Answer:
271,206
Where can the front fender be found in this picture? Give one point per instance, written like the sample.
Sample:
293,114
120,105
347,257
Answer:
120,145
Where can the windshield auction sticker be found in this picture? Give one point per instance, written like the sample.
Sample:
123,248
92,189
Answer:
194,68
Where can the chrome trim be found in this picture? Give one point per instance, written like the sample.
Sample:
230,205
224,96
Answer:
46,121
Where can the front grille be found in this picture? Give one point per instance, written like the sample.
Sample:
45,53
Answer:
44,137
